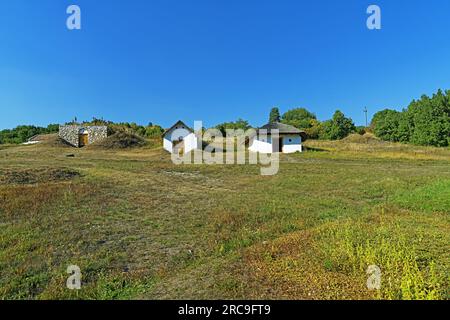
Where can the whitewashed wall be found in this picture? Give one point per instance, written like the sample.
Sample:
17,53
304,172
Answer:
292,143
190,142
168,145
263,146
189,138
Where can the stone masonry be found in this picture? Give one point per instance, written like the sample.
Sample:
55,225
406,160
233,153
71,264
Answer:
71,133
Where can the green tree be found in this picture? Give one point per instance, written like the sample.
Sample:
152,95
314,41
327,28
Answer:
274,115
425,122
385,124
20,134
430,120
338,127
313,132
52,128
239,124
299,118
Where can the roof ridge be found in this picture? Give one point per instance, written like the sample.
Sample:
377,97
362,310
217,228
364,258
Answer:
179,121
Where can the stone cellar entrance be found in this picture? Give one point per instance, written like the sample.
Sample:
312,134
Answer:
80,136
83,139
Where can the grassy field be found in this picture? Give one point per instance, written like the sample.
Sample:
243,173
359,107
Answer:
141,227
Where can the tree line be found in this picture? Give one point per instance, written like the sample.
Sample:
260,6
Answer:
338,127
424,122
23,133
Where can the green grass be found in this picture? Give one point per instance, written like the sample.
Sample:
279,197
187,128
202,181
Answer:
429,198
140,227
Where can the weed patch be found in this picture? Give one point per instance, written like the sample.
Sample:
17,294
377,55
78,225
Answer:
351,247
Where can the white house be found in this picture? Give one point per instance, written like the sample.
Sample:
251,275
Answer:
289,139
179,138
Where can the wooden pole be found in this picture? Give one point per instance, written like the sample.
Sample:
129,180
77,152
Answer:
365,111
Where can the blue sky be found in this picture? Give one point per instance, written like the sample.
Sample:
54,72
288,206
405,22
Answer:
216,60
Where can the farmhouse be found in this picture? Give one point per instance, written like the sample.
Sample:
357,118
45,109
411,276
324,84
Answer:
179,138
289,139
80,136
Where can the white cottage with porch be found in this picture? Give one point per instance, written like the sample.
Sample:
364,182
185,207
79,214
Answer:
179,139
288,140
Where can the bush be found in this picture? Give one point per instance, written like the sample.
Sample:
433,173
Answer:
149,131
361,130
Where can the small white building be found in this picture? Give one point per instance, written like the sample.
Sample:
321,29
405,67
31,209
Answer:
289,139
179,139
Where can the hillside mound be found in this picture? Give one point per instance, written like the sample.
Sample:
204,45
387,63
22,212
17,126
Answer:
120,140
52,140
367,138
44,137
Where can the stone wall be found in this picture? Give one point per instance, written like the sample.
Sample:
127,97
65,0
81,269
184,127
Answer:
97,133
71,133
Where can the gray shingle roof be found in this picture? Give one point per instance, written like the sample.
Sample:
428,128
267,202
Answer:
178,123
282,128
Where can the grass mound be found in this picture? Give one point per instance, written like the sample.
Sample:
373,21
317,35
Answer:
367,138
120,140
52,140
45,137
38,175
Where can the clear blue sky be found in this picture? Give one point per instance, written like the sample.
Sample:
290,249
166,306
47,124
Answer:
216,60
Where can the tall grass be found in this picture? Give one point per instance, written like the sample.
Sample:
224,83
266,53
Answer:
352,247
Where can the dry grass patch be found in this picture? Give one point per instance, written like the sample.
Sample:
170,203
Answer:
120,140
54,141
36,175
291,267
369,145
